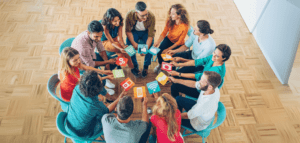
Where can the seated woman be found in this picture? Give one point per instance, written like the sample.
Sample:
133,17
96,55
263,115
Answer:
112,39
166,118
215,62
177,26
69,76
85,109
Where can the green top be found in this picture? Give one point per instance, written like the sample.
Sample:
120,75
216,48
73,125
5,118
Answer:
207,62
131,19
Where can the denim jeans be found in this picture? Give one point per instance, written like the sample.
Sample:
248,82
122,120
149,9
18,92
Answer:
140,35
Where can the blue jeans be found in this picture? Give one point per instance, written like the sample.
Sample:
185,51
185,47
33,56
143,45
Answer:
99,58
186,104
140,35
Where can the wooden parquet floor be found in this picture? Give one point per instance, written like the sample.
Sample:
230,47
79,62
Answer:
259,108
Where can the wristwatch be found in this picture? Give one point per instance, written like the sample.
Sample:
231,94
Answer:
180,74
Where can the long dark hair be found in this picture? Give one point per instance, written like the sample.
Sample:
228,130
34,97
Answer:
109,16
204,27
181,11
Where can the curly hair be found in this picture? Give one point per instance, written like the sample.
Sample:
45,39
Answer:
226,51
90,85
109,16
181,11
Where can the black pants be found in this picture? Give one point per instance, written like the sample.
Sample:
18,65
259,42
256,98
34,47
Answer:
186,104
177,88
190,69
166,43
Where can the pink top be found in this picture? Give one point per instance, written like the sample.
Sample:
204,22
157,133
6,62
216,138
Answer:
86,48
162,128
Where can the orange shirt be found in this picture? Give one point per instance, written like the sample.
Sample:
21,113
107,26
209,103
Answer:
176,34
68,83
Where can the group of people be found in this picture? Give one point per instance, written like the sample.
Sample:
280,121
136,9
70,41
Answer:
84,85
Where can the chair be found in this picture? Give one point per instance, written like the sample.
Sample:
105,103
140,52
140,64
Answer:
205,133
52,84
60,124
65,44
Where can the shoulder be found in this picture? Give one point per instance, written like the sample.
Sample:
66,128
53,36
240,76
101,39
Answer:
108,118
130,14
151,14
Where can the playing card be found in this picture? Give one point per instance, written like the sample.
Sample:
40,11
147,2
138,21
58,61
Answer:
153,87
162,78
166,66
139,92
154,50
118,73
121,61
127,84
142,48
130,50
166,57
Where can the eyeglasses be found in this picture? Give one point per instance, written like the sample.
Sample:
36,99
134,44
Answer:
146,15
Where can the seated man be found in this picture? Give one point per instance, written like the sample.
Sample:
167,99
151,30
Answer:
200,114
140,25
85,109
121,129
203,46
85,44
215,62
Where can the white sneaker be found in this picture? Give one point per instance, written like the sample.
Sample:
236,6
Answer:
109,84
157,69
110,91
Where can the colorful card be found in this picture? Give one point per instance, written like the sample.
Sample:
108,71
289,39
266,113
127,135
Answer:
153,87
139,92
142,48
154,50
162,78
118,73
166,66
130,50
166,57
121,61
127,84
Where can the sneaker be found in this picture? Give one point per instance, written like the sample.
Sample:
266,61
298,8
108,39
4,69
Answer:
157,69
135,72
110,92
109,84
144,73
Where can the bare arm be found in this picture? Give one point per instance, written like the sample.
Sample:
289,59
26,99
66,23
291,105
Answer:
184,115
188,83
181,49
113,105
120,35
144,112
149,41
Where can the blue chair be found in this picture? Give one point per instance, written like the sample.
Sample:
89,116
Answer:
52,84
65,44
205,133
60,124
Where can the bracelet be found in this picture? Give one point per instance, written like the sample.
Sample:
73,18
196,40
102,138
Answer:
179,74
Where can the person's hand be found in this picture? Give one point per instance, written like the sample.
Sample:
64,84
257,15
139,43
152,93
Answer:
172,79
111,77
156,44
107,72
123,94
155,95
165,51
135,45
123,51
112,61
174,64
173,73
171,52
178,59
145,101
143,54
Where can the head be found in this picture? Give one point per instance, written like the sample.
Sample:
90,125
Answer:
222,53
69,59
111,18
210,80
178,12
203,28
125,108
166,107
141,10
90,84
95,30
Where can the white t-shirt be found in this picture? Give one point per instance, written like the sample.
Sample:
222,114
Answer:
140,26
204,110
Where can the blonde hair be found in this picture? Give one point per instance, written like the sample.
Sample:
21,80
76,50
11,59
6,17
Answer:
64,64
166,107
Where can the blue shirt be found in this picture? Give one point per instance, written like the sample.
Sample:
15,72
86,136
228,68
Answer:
113,32
84,115
203,49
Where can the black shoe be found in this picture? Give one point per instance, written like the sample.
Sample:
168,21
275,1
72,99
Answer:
135,72
144,73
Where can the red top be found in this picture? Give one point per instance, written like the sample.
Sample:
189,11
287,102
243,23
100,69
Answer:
68,83
162,128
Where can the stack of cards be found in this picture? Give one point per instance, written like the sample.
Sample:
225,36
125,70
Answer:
121,61
166,66
130,51
162,78
154,50
139,92
118,73
127,84
166,57
153,87
142,49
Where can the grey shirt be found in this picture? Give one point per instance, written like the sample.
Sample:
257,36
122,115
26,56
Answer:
116,132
